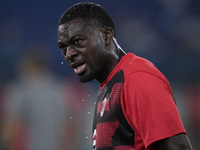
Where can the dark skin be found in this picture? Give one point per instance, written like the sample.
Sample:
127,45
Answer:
93,53
92,50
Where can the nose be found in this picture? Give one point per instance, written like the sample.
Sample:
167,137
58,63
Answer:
71,53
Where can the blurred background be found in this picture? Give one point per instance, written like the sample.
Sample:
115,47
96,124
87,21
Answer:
42,104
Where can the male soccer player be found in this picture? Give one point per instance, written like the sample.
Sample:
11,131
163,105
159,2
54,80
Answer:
135,108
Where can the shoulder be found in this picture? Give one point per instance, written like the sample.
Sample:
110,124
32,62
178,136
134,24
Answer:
142,72
132,64
146,80
143,87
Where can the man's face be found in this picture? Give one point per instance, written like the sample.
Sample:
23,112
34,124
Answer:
83,47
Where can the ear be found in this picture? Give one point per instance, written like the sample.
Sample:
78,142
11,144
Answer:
108,34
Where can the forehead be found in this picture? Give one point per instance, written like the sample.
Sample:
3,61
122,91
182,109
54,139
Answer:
75,27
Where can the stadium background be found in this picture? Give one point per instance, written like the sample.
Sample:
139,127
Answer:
167,32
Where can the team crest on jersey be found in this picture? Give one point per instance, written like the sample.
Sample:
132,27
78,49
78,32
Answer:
103,107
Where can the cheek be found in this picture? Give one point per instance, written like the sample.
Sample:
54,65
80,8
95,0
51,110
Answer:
95,54
98,61
94,62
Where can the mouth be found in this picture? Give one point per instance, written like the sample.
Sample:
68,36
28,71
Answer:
79,68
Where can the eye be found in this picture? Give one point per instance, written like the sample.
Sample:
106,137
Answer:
77,41
62,47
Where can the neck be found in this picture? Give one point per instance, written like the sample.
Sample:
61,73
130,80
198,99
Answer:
114,56
110,66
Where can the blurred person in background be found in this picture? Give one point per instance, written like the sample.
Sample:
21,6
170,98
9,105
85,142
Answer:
135,108
35,107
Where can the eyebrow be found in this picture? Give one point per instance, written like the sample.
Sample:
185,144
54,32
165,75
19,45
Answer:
70,40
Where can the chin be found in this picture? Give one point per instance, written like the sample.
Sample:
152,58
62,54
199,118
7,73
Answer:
87,78
84,80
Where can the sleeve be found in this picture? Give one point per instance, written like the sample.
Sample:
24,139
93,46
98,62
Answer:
149,108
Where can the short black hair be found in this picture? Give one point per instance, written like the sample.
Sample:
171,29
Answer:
89,12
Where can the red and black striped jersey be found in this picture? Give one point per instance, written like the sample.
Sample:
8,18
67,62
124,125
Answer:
135,107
